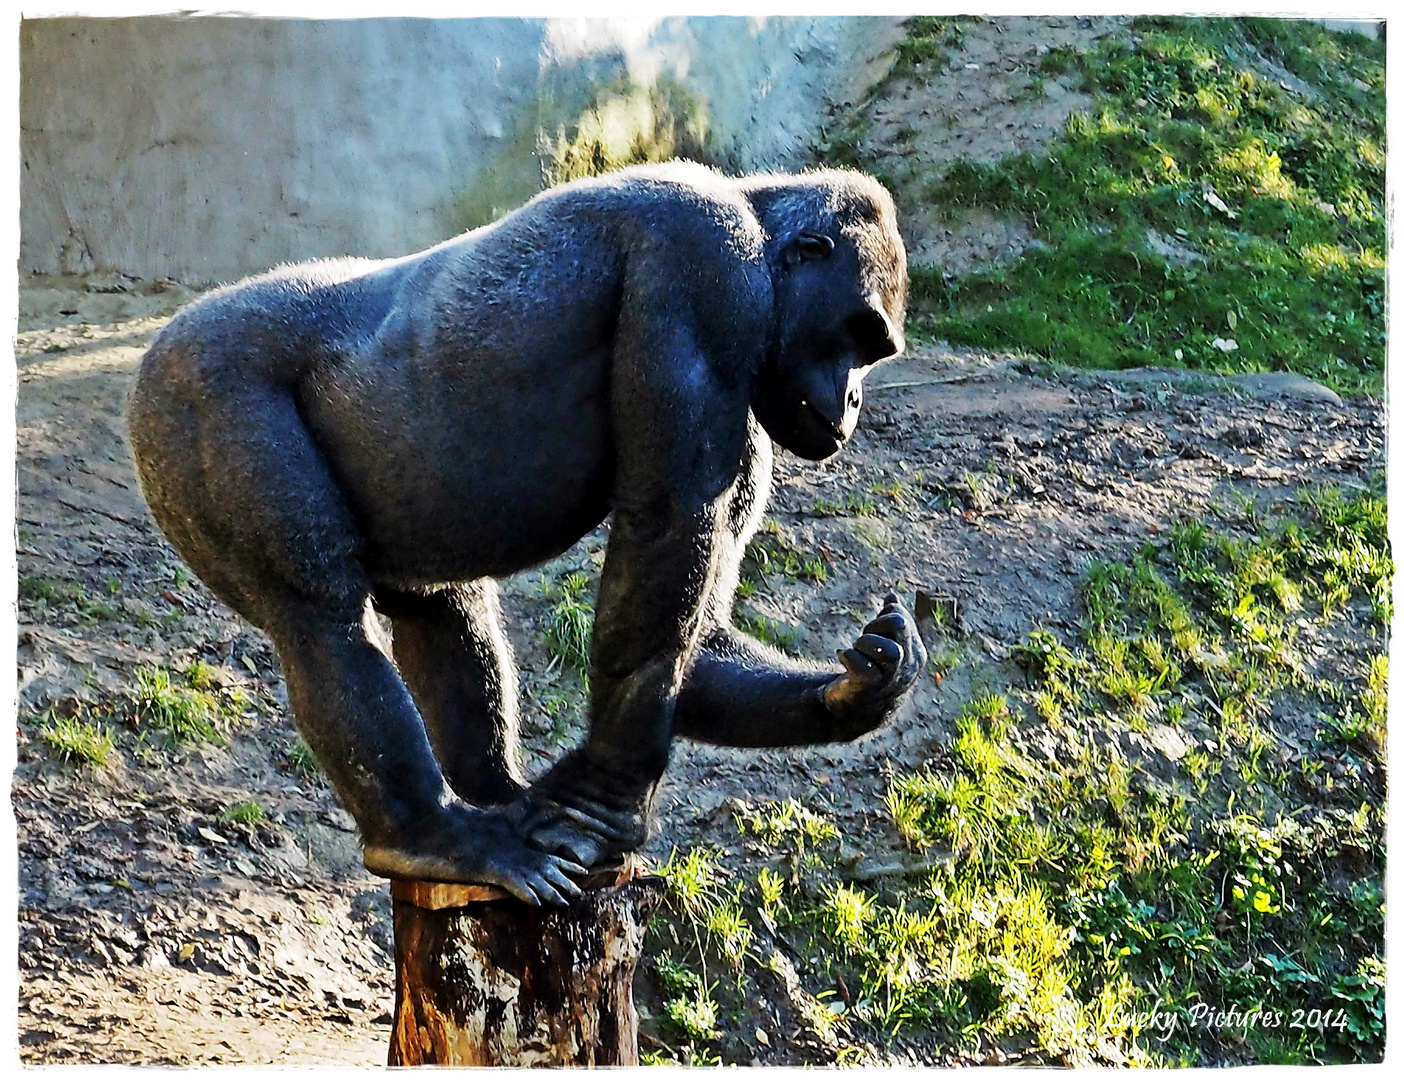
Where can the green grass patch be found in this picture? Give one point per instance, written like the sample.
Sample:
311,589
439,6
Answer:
184,713
72,738
570,624
850,504
628,123
248,812
774,550
1220,206
705,917
61,595
772,632
776,823
301,760
925,48
1106,858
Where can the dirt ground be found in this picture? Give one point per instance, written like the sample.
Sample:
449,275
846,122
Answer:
153,930
988,100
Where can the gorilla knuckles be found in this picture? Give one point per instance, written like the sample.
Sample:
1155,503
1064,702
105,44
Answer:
349,436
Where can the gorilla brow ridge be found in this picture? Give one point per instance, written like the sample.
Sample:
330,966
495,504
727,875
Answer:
814,201
826,200
854,202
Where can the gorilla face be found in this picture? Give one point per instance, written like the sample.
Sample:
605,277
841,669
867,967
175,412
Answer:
830,331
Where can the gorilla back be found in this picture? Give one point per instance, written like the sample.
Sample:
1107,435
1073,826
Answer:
348,435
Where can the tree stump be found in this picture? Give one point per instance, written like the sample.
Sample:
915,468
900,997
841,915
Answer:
484,979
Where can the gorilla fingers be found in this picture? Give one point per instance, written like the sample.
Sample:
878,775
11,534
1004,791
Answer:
584,811
879,669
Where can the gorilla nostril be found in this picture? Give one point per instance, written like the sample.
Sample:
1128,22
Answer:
853,399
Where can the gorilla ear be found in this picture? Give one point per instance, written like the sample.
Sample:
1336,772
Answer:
808,247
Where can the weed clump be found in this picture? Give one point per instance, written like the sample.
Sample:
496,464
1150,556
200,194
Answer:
570,624
301,760
69,597
73,738
773,550
183,713
248,812
628,123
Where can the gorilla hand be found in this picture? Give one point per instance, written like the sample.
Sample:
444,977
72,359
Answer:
483,847
879,669
578,811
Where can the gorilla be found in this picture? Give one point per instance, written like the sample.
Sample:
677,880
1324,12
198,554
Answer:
344,437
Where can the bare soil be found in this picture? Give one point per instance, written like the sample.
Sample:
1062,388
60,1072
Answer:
155,931
988,101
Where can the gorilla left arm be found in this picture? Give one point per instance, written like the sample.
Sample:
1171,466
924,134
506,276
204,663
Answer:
740,692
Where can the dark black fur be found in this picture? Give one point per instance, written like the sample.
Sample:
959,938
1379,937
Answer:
346,436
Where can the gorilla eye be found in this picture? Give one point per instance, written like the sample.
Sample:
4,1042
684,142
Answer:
808,247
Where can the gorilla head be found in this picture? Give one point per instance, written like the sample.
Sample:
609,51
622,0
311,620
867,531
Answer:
840,279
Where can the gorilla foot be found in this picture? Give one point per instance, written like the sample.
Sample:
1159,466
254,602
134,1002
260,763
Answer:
568,839
586,837
483,849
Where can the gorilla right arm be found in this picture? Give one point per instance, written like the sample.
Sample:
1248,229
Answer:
680,411
740,692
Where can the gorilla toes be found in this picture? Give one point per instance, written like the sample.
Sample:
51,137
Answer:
478,847
587,838
566,838
533,812
580,812
527,872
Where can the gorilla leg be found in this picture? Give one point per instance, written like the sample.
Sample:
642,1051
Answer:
357,716
450,649
255,510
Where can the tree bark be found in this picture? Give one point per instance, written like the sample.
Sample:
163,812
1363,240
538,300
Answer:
482,979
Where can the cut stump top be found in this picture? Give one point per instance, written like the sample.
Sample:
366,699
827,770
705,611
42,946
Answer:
437,895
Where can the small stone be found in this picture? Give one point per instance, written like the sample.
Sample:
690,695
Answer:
1168,741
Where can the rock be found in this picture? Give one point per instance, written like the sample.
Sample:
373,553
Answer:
1168,741
1285,384
110,283
996,650
1245,434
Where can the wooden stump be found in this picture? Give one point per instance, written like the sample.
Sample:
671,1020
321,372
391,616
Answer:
484,979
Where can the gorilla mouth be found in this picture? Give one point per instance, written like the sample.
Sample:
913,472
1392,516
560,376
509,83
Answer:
813,435
821,421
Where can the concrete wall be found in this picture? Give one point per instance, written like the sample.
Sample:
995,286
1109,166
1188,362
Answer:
204,149
1370,28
